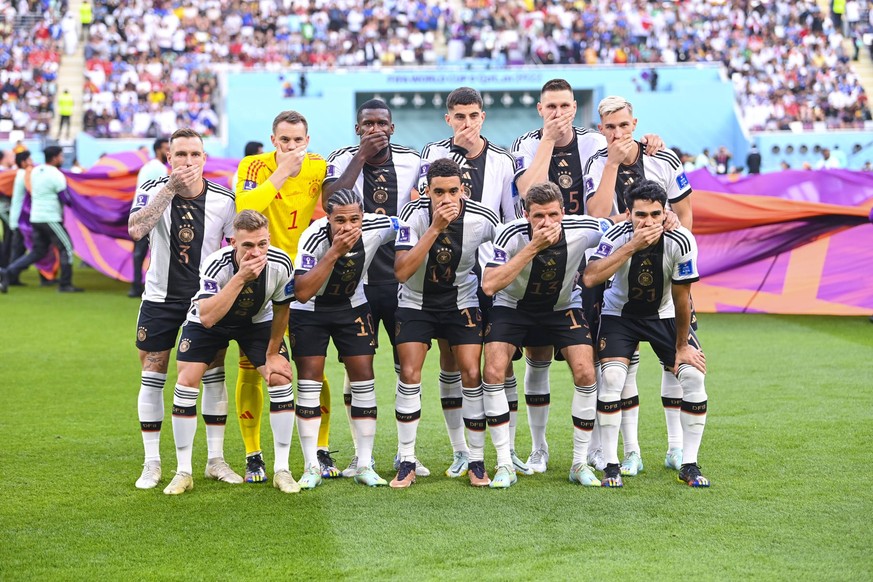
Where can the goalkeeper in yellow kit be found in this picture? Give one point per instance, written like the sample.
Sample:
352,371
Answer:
284,186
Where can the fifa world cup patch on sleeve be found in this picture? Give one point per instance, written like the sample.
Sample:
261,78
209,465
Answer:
589,184
141,200
686,268
210,286
307,261
331,171
250,185
682,180
603,249
403,234
499,256
519,163
423,172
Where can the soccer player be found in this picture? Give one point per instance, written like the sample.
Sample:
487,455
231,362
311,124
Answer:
334,254
384,175
557,153
487,173
435,254
608,175
649,300
151,170
47,186
537,302
186,218
285,186
244,293
24,162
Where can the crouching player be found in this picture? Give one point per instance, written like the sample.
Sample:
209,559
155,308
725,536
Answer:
244,294
334,253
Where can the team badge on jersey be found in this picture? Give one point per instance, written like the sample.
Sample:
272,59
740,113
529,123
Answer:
210,286
403,234
289,288
682,180
141,200
603,249
308,261
499,256
686,268
250,185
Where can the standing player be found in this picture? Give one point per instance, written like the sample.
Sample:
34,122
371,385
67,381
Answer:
383,175
24,162
487,173
244,294
151,170
436,252
608,175
285,186
334,254
538,302
649,300
186,219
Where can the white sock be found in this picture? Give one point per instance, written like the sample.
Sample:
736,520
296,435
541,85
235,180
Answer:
510,387
347,399
474,421
693,413
594,444
281,424
671,398
497,416
214,411
363,413
407,411
612,376
452,402
630,408
184,425
150,409
537,399
583,412
308,419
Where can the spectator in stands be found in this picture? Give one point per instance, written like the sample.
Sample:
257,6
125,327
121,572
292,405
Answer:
753,160
722,160
827,161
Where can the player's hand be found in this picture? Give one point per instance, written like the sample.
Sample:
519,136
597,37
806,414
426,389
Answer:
546,236
619,149
468,138
278,371
557,125
344,240
291,160
185,180
251,265
671,220
688,354
653,143
646,236
374,142
444,214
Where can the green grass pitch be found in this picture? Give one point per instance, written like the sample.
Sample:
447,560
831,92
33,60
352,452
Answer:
787,447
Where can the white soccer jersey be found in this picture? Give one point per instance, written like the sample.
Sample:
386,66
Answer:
385,189
254,304
664,168
344,288
445,279
548,282
567,164
487,178
188,232
641,288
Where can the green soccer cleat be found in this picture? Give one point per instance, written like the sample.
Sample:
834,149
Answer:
504,478
520,466
311,478
632,464
673,460
584,475
369,477
181,483
459,465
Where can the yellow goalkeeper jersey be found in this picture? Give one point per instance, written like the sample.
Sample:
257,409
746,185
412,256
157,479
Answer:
288,209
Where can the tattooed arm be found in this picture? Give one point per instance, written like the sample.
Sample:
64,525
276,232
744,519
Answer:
144,220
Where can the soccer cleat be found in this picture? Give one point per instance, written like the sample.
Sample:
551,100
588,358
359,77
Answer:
520,466
4,287
70,289
612,476
420,470
284,481
632,464
256,470
538,461
328,467
673,460
367,476
181,483
504,478
311,478
690,475
151,475
219,470
405,476
596,459
352,469
477,474
583,475
460,462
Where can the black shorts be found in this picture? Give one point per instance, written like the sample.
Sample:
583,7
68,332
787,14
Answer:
457,327
351,330
383,306
619,337
542,328
198,344
158,324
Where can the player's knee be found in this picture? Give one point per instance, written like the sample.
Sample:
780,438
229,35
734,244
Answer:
471,375
612,377
692,381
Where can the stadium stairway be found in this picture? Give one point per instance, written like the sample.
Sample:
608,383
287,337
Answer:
71,76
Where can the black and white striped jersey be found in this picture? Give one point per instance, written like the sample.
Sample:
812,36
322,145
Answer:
567,165
487,178
445,280
385,189
344,288
189,231
254,304
664,168
548,282
641,288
